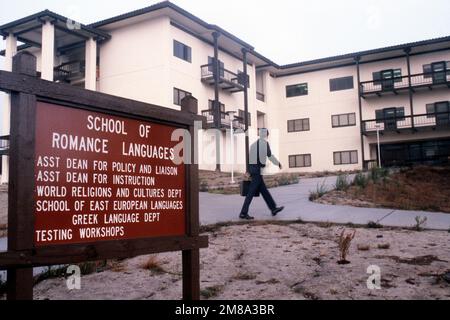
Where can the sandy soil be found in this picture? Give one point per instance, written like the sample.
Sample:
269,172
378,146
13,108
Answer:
296,261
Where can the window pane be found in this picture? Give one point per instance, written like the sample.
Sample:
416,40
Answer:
291,161
175,96
308,160
345,156
354,157
352,119
297,90
290,125
305,124
335,121
343,120
300,161
298,125
341,83
337,158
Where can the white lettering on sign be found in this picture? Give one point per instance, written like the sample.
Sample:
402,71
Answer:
75,143
101,124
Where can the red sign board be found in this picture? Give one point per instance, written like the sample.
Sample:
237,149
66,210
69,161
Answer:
100,177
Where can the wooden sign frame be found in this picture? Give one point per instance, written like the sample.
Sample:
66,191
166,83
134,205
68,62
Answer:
22,255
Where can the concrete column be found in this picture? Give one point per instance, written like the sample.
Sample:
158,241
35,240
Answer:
48,51
91,65
10,51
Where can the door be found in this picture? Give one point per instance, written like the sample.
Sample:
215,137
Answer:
390,118
387,79
439,72
442,113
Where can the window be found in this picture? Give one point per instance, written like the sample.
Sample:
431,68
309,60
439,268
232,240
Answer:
387,75
243,79
438,107
182,51
390,113
242,115
211,107
298,125
300,161
211,66
440,111
343,120
297,90
339,84
178,95
429,69
345,157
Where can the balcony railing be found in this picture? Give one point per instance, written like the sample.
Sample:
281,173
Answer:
397,84
4,145
434,121
260,96
70,71
225,120
228,81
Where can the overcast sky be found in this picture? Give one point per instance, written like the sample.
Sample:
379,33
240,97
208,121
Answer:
285,31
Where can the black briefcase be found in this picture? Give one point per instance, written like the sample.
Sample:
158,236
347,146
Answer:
245,186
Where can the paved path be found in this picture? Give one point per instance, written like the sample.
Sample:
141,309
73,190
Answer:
222,208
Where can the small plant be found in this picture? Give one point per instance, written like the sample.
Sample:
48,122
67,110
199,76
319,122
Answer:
344,246
320,191
374,225
384,246
245,276
420,223
211,292
153,264
204,187
342,182
363,247
376,174
361,180
287,179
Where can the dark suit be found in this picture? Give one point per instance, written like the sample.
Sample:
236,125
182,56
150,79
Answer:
259,153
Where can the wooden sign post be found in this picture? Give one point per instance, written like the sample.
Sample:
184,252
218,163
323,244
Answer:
95,177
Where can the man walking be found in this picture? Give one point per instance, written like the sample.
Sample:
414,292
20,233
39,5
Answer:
259,153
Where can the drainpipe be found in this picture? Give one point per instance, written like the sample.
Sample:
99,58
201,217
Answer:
358,72
247,142
217,118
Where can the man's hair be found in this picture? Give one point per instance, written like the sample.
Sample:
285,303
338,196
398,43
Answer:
263,132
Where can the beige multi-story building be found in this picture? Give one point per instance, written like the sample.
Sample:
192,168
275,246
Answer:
324,114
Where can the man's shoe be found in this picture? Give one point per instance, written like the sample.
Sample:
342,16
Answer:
246,217
277,210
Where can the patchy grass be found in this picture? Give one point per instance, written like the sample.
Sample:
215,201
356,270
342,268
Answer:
420,188
245,276
154,265
320,191
211,292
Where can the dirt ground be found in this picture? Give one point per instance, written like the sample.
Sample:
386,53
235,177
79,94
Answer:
420,188
281,261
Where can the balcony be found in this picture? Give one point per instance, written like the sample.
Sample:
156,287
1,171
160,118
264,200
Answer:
69,72
225,120
422,122
228,81
398,85
4,145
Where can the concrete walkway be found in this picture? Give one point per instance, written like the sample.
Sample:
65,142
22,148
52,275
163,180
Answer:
223,208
